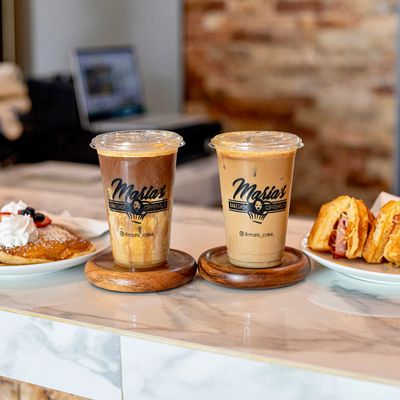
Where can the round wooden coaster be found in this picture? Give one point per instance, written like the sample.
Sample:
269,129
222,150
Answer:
180,268
215,267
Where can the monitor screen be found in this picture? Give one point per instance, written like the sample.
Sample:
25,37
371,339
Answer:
110,82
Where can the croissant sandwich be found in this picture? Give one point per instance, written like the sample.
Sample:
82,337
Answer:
384,239
341,227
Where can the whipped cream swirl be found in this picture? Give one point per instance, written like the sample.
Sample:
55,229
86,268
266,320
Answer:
17,230
14,207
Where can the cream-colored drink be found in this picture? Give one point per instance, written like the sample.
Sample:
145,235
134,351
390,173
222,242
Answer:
256,171
138,170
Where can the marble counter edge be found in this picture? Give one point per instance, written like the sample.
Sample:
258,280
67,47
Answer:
69,358
208,349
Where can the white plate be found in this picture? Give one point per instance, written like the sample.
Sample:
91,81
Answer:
101,243
377,273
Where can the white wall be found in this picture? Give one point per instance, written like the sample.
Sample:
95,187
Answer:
156,28
153,26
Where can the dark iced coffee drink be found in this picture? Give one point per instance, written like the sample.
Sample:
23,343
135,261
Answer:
138,170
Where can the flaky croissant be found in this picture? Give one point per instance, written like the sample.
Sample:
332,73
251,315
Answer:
341,227
384,238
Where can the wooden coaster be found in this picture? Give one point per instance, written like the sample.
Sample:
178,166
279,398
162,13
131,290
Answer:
215,267
101,271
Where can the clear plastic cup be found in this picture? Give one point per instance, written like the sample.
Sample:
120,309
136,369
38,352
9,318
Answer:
138,171
256,173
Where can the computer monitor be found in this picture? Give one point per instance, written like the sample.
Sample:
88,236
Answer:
107,83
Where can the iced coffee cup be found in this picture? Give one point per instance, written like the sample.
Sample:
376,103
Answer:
256,172
138,170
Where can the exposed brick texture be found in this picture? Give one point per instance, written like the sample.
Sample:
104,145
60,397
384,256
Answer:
13,390
324,69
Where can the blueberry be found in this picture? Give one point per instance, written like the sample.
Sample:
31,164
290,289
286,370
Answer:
28,211
38,217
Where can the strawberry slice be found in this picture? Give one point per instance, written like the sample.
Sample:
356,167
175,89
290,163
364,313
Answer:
42,224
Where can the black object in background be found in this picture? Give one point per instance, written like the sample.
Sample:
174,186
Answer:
52,130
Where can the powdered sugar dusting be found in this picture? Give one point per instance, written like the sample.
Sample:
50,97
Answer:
55,233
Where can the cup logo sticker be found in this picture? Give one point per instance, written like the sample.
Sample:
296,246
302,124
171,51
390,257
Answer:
257,204
136,203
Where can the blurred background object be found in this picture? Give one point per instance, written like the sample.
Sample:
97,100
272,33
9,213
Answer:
43,35
325,70
14,101
48,30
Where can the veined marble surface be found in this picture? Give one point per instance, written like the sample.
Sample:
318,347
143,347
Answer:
73,359
328,323
161,371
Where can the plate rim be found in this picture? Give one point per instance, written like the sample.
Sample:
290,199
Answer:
338,267
6,270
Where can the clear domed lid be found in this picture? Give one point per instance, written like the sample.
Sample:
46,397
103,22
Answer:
137,141
256,141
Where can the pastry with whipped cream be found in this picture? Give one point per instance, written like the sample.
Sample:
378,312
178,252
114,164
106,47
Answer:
27,237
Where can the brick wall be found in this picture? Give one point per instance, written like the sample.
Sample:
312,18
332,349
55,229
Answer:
324,69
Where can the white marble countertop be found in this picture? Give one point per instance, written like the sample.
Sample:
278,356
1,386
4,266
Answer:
329,325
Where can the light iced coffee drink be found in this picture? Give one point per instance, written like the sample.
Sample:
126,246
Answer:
138,169
256,171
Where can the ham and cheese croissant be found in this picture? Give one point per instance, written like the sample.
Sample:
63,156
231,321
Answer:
384,239
341,227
